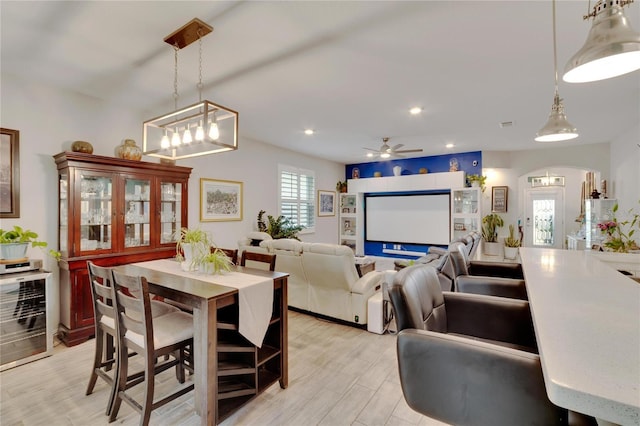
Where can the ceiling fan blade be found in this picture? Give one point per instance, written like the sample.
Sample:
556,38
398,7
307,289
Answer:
409,150
369,149
397,147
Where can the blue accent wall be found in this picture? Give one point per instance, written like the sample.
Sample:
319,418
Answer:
412,166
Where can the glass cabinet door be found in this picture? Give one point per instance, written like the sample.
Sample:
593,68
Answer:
170,211
465,211
137,206
96,212
63,212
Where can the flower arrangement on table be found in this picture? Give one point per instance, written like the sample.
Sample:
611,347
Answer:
620,233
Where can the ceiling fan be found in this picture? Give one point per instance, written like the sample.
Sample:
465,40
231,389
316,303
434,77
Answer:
386,151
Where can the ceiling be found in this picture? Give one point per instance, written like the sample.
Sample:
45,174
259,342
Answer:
348,70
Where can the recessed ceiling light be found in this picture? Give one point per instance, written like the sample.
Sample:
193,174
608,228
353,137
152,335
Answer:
449,145
308,131
505,124
415,110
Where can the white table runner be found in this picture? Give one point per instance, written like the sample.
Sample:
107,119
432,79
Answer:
255,295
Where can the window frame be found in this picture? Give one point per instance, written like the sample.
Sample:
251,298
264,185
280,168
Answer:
311,202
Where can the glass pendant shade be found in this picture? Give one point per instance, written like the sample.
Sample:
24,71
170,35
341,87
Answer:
557,127
186,138
191,116
612,47
214,131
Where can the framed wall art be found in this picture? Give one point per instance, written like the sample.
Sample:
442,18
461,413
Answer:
220,200
9,173
326,203
499,199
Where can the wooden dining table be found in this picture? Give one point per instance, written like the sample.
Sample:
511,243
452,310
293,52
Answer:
206,299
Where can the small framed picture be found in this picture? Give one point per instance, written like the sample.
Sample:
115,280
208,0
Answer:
326,203
458,226
499,199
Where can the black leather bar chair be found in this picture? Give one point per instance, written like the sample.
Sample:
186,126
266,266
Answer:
468,359
495,284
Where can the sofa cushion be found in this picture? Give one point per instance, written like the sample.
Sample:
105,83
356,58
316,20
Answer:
288,244
333,249
256,237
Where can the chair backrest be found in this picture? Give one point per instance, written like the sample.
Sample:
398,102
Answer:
477,237
330,266
133,313
459,260
102,295
417,299
258,260
231,253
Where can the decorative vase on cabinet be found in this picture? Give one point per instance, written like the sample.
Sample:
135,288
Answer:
129,150
112,212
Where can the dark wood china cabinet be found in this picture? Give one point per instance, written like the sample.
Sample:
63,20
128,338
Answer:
112,212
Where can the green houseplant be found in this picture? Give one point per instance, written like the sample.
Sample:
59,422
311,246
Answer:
191,246
215,262
511,244
619,233
490,225
341,186
278,227
476,180
15,242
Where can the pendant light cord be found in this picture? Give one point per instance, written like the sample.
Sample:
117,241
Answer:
175,78
555,53
200,69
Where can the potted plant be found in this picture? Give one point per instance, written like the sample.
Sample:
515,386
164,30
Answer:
476,181
191,246
490,225
280,227
14,243
215,262
341,186
511,244
619,233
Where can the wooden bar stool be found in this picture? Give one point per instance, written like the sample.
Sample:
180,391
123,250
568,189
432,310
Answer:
256,259
105,327
152,338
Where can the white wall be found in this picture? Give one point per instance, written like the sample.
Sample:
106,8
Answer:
625,169
49,120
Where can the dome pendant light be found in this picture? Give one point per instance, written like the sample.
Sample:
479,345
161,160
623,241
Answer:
557,127
612,47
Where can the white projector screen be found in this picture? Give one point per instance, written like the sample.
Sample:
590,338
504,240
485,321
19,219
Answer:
409,219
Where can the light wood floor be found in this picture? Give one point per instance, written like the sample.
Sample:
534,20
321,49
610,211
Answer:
338,375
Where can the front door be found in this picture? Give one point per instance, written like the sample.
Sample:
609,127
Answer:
544,217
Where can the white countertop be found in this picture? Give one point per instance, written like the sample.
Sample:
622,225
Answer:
587,321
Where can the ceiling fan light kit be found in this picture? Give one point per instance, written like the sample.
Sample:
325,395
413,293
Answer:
199,129
612,47
557,127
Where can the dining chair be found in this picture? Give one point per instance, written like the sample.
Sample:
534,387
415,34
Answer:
152,338
105,327
231,253
255,260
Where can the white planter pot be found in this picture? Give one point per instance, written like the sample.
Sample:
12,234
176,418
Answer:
187,252
13,251
510,252
492,249
397,170
475,184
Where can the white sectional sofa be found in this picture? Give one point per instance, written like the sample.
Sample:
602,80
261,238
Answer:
323,278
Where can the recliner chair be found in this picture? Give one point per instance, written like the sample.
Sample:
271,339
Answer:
469,359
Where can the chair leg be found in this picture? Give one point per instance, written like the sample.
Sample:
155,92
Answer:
97,360
179,355
122,364
147,406
110,350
